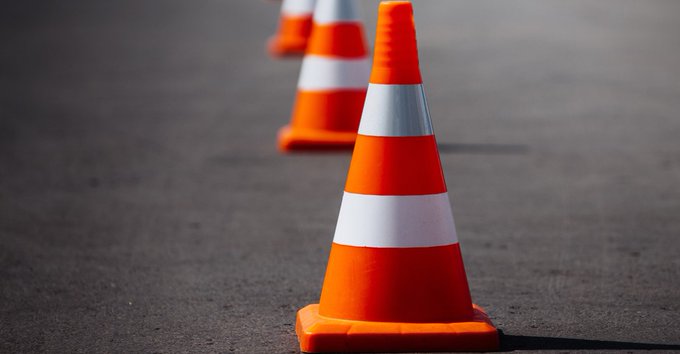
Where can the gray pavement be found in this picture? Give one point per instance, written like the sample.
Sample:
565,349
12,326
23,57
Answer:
144,207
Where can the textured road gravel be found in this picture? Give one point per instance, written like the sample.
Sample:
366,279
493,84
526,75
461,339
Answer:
144,207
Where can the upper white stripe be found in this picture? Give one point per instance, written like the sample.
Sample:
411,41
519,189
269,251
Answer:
395,110
323,73
395,221
333,11
298,7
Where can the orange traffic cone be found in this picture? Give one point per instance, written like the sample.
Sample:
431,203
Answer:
295,26
395,280
333,81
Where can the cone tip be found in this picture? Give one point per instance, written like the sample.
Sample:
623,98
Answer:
396,12
395,59
394,7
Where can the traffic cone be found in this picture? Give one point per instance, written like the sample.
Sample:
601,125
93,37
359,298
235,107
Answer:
333,81
295,25
395,280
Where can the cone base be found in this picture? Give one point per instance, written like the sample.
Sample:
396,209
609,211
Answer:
319,334
279,47
291,139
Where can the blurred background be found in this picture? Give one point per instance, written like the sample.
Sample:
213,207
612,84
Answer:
144,206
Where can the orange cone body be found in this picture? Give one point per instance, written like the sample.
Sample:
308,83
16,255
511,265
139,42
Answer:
395,280
295,26
333,81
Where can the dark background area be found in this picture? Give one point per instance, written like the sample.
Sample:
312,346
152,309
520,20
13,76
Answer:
144,207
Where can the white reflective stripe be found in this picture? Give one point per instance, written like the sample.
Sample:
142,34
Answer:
333,11
395,221
323,73
298,7
395,110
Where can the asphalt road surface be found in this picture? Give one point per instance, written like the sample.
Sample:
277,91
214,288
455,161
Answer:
144,206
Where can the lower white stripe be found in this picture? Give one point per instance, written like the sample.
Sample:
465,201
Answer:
323,73
395,110
298,7
395,221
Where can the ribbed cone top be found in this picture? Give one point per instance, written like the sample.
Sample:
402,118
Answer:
395,59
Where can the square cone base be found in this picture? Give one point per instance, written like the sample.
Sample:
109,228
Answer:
319,334
291,139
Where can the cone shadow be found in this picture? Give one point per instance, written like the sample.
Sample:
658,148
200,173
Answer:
512,342
483,149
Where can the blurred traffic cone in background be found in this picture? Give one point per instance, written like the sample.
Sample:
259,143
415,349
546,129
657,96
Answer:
295,26
333,81
395,280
